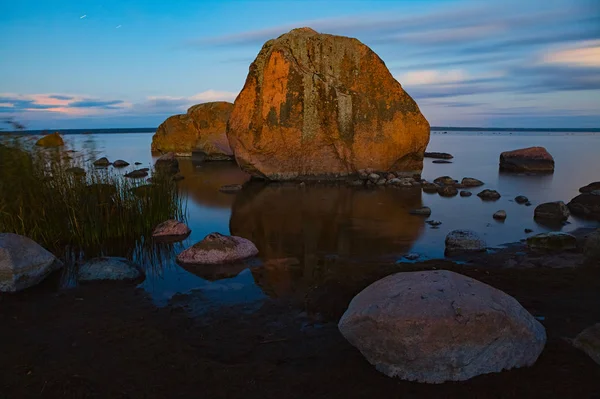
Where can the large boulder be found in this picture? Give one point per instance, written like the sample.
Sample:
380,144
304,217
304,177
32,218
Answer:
532,159
461,241
23,263
551,212
51,140
201,129
324,106
436,326
589,341
216,248
586,205
109,268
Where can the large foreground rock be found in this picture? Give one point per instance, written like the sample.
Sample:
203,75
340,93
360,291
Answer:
589,341
108,268
23,263
591,249
586,205
551,212
318,105
202,129
461,241
436,326
216,248
51,140
532,159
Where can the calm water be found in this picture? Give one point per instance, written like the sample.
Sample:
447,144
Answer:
321,224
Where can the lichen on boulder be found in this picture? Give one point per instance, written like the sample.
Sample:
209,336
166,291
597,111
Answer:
323,106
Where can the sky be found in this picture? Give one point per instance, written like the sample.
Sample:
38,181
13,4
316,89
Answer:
132,63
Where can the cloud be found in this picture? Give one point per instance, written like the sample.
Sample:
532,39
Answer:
582,54
87,103
429,77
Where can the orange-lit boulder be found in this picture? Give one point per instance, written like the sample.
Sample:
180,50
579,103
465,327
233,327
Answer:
324,106
201,129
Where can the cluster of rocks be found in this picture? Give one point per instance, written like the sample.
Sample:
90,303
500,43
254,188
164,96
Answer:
369,177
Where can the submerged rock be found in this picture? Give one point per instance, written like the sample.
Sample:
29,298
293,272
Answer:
108,268
438,155
436,326
233,188
167,163
521,199
324,106
586,205
23,263
119,163
424,211
489,195
102,162
471,182
216,248
202,131
500,215
412,256
595,186
551,212
532,159
137,174
445,180
441,161
465,193
553,241
51,140
589,341
448,191
171,229
459,241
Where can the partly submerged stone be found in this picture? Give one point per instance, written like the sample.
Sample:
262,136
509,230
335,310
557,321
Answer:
471,182
591,249
553,241
445,180
423,211
171,229
23,262
51,140
108,268
500,215
102,162
532,159
167,163
137,174
595,186
489,195
465,193
589,341
324,106
230,188
216,248
438,155
521,199
447,191
460,241
201,130
436,326
551,212
119,163
586,205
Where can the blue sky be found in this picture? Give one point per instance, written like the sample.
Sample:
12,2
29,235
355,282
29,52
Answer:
132,63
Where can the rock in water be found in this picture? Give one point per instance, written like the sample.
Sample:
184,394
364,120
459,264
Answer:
436,326
489,195
201,129
216,248
465,193
553,241
324,106
438,155
137,174
448,191
591,249
171,228
471,182
23,263
424,211
167,163
441,161
51,140
586,205
119,163
521,199
460,241
549,212
108,268
500,215
589,341
445,180
532,159
595,186
230,188
102,162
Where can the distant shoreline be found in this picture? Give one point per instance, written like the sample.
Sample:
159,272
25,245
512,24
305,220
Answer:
433,129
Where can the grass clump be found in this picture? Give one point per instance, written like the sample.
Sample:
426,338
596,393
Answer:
45,196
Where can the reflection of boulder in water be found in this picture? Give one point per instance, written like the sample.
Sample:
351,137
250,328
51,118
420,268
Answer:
216,272
202,181
323,226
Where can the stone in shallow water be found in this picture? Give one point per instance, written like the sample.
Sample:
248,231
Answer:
465,193
441,161
445,180
500,215
589,341
553,241
489,195
102,162
590,187
108,268
532,159
216,248
447,191
424,211
119,163
591,249
521,199
171,228
471,182
231,188
586,205
459,241
436,326
137,174
438,155
23,263
551,212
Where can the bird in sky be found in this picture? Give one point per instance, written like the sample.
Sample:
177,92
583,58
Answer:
83,16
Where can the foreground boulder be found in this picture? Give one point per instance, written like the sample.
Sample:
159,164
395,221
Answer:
108,268
553,241
589,341
586,205
216,248
51,140
201,130
171,229
461,241
23,263
532,159
436,326
591,250
551,212
324,106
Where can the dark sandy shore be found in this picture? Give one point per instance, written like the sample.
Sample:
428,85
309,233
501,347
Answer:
109,340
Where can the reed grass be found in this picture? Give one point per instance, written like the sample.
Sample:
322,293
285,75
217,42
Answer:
99,214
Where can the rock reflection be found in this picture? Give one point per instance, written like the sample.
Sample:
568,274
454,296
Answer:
308,234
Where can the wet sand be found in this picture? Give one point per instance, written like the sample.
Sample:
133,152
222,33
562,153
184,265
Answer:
109,340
